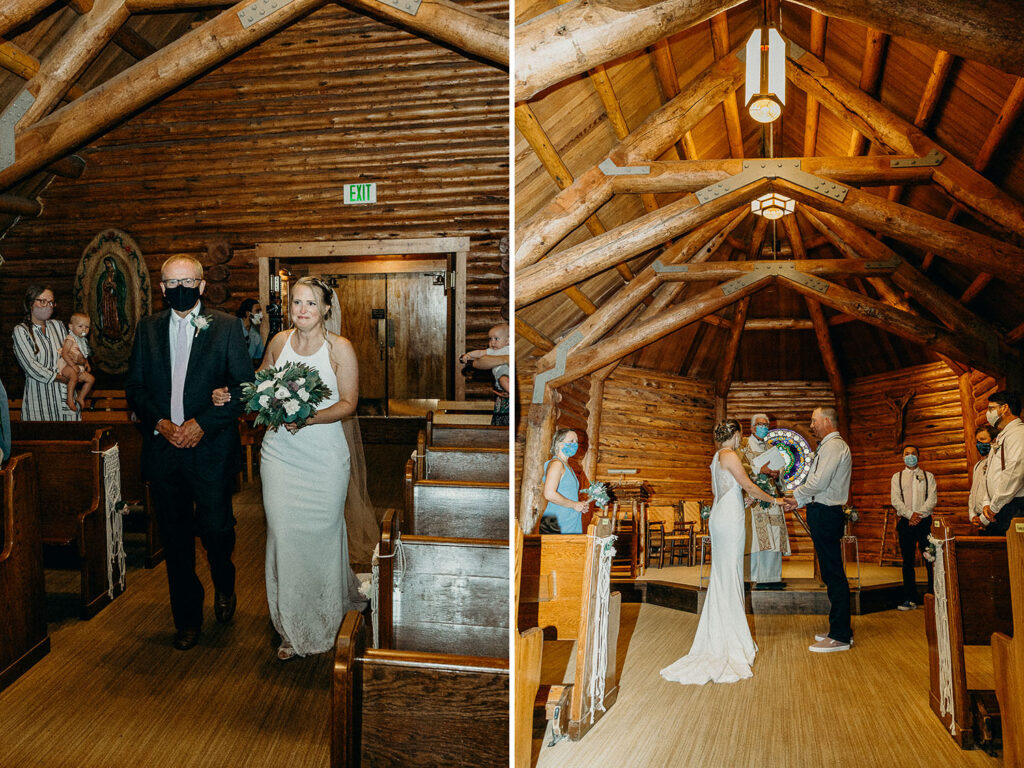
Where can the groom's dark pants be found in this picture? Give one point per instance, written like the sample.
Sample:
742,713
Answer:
826,524
192,496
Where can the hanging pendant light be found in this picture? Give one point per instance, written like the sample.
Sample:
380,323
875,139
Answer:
765,93
773,205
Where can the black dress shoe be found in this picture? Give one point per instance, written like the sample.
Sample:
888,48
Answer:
224,606
186,639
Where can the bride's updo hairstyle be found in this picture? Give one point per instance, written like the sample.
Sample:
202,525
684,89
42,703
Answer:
322,291
724,430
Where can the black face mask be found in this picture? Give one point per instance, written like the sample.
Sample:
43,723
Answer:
181,298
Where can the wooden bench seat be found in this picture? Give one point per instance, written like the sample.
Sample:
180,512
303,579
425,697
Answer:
134,490
23,634
72,506
977,587
436,693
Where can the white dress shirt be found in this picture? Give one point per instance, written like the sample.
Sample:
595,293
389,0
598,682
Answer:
1004,479
975,502
829,480
173,330
913,490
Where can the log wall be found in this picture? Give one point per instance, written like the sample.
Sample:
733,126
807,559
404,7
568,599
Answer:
934,423
659,424
258,150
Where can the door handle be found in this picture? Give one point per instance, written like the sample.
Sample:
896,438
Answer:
382,336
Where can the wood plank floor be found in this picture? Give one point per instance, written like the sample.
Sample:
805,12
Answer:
866,708
114,693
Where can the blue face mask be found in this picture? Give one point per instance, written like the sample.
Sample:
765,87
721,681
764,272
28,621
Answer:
761,431
569,449
910,460
984,448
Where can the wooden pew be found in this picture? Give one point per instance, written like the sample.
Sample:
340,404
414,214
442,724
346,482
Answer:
1008,655
436,692
465,406
977,603
134,490
72,506
489,465
456,508
23,636
529,649
463,435
559,593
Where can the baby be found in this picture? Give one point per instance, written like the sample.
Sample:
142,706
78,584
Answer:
75,358
497,345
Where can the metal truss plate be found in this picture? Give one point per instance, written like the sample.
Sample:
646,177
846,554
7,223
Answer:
741,282
660,268
787,168
561,352
816,284
932,158
10,117
409,6
609,168
259,10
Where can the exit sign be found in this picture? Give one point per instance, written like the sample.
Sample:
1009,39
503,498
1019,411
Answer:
360,194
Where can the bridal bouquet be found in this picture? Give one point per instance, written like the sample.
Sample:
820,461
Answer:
285,395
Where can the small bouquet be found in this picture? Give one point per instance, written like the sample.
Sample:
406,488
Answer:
705,511
851,514
285,395
929,552
597,492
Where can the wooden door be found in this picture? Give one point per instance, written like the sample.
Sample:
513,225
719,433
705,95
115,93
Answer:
418,316
361,298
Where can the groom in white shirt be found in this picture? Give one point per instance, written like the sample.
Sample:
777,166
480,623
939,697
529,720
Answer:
913,495
824,493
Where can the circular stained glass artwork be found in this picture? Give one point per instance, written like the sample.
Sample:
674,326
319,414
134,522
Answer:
797,453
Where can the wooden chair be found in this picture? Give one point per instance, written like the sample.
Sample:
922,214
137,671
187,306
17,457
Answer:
658,519
1008,656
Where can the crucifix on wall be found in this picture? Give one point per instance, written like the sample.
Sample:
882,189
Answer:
899,403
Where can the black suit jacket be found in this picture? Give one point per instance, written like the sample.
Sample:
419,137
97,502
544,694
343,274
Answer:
219,358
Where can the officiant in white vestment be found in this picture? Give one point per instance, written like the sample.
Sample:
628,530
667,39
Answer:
769,539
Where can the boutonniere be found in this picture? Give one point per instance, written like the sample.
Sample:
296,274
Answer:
201,323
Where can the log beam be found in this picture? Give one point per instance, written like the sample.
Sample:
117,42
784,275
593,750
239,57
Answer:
720,47
20,206
540,428
112,102
14,13
532,335
134,44
727,270
151,6
908,225
970,417
573,205
624,242
818,22
24,65
464,29
776,324
577,36
983,30
897,136
941,67
732,349
70,57
666,69
633,338
870,72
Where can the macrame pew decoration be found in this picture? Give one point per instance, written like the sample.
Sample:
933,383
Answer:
116,561
565,587
22,591
71,498
435,688
1008,656
971,601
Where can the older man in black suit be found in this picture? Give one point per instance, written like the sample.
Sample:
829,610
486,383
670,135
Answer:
191,450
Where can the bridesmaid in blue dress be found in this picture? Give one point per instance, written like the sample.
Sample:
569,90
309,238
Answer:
561,486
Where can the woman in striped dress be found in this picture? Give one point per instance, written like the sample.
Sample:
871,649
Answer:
37,343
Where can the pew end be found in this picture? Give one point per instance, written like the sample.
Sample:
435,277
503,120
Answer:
1008,655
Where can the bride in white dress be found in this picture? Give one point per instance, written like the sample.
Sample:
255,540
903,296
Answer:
305,472
723,650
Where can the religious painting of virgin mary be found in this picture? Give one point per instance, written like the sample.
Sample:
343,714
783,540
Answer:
112,287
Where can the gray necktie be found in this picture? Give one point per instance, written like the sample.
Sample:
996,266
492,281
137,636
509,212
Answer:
178,375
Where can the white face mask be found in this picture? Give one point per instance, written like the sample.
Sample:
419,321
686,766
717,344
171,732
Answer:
257,318
992,416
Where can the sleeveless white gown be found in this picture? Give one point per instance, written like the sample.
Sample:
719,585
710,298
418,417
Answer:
310,584
723,650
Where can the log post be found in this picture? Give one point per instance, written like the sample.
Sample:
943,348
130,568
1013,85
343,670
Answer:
540,428
594,408
970,417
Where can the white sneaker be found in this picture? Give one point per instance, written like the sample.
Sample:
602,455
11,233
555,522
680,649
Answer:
906,605
820,638
828,645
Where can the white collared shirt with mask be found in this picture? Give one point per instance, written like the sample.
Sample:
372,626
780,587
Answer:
913,491
1004,478
828,482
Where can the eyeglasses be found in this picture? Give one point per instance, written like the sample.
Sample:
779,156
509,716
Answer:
188,282
45,303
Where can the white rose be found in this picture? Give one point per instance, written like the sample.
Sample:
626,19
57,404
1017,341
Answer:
303,395
264,385
301,381
264,401
291,407
282,393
